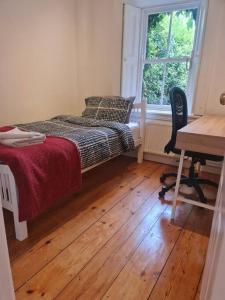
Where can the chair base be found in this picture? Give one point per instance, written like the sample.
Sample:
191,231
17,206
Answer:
189,181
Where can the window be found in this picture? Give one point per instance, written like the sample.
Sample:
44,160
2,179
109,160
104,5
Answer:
169,48
161,49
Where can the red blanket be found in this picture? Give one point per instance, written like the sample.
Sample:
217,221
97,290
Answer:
43,173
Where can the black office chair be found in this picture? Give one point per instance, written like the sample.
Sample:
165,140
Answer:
179,119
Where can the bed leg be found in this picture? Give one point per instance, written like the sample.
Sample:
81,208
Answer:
20,227
140,154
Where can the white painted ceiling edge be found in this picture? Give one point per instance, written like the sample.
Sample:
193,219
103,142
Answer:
150,3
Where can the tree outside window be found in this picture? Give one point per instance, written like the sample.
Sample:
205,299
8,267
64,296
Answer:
169,47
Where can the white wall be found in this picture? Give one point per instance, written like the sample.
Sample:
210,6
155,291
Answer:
38,55
99,42
212,72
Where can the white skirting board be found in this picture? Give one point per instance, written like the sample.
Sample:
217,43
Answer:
173,160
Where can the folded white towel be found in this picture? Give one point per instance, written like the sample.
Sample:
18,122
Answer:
22,142
16,133
19,138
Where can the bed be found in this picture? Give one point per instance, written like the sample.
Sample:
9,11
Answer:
9,190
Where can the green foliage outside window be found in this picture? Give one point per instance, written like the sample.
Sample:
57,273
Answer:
170,35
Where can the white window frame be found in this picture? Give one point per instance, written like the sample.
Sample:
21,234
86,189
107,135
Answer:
196,54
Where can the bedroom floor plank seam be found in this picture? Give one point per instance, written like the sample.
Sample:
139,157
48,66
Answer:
113,240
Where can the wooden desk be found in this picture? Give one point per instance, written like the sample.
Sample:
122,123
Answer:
206,135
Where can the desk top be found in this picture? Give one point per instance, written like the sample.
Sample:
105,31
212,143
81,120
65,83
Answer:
205,135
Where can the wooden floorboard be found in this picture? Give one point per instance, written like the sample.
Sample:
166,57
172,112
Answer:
54,243
98,275
182,272
138,277
113,240
72,259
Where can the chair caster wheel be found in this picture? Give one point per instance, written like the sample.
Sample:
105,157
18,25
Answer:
162,178
204,201
162,194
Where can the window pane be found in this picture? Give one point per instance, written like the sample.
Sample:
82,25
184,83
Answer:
152,83
157,35
176,75
183,32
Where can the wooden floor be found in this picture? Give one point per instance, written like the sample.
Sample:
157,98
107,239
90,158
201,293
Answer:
114,240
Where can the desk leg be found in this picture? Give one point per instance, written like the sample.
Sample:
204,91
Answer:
177,184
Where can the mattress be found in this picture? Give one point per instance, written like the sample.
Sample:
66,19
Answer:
135,129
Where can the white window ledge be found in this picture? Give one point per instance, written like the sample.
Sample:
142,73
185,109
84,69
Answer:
164,115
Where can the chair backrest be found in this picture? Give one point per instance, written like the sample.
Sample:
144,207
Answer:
179,108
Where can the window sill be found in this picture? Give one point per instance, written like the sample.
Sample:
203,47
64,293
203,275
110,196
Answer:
164,115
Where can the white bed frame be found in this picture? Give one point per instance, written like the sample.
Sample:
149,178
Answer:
8,189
